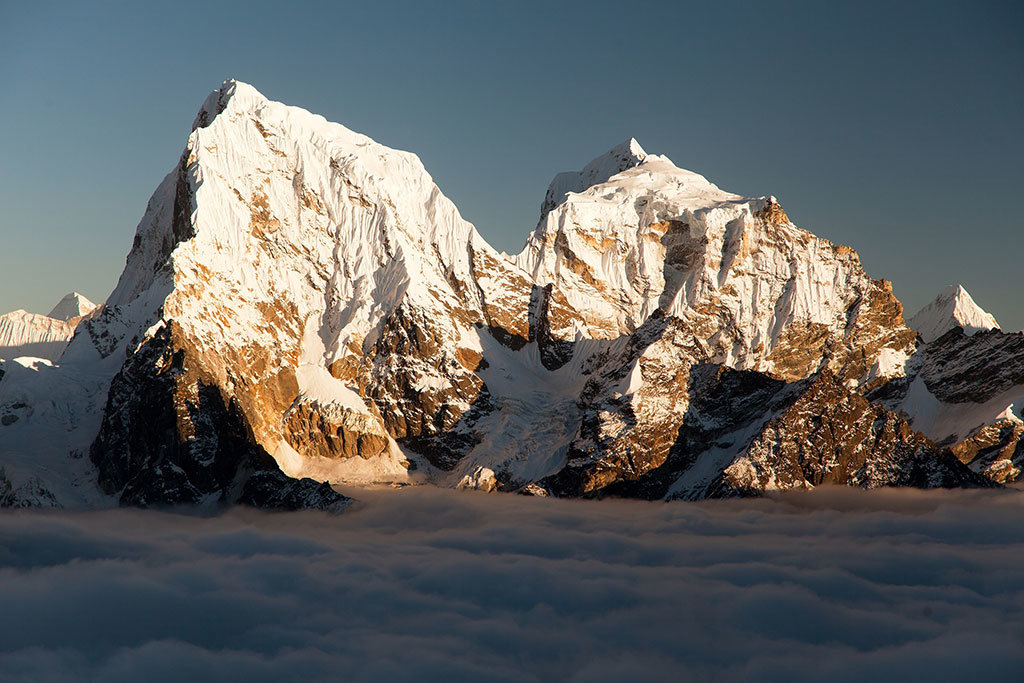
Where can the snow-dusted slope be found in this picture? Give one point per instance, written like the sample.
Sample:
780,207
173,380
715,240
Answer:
953,307
31,334
964,387
966,391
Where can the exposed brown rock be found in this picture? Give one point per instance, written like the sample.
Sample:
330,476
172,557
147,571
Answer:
507,317
772,213
409,349
409,322
333,431
831,435
994,450
262,223
623,436
575,264
169,436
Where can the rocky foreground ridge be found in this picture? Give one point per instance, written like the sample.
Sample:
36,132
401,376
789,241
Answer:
302,305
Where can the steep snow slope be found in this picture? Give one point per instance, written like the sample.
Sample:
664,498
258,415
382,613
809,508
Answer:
49,415
953,307
308,269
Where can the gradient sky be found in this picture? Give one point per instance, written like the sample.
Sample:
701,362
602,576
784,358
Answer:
896,128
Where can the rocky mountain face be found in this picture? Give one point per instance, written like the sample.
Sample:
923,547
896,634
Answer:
302,305
757,291
746,433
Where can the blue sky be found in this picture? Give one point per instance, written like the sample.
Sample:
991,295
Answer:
895,128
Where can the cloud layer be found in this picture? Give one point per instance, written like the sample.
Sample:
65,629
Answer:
424,584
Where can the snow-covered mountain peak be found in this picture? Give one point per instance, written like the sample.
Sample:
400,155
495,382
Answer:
42,336
626,154
241,96
301,293
657,175
953,307
619,158
73,305
31,334
656,237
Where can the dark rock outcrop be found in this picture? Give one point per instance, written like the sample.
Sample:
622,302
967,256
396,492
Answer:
169,437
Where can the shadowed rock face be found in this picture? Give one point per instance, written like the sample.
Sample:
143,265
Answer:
632,408
170,437
985,368
29,494
723,402
662,337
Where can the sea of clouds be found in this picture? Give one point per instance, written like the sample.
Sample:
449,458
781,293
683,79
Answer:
427,584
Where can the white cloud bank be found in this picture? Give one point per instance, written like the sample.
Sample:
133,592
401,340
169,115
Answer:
425,584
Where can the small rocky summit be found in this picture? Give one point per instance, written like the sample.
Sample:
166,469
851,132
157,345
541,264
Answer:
302,306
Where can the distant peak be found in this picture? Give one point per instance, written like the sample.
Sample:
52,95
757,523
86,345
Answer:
953,307
72,305
957,294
